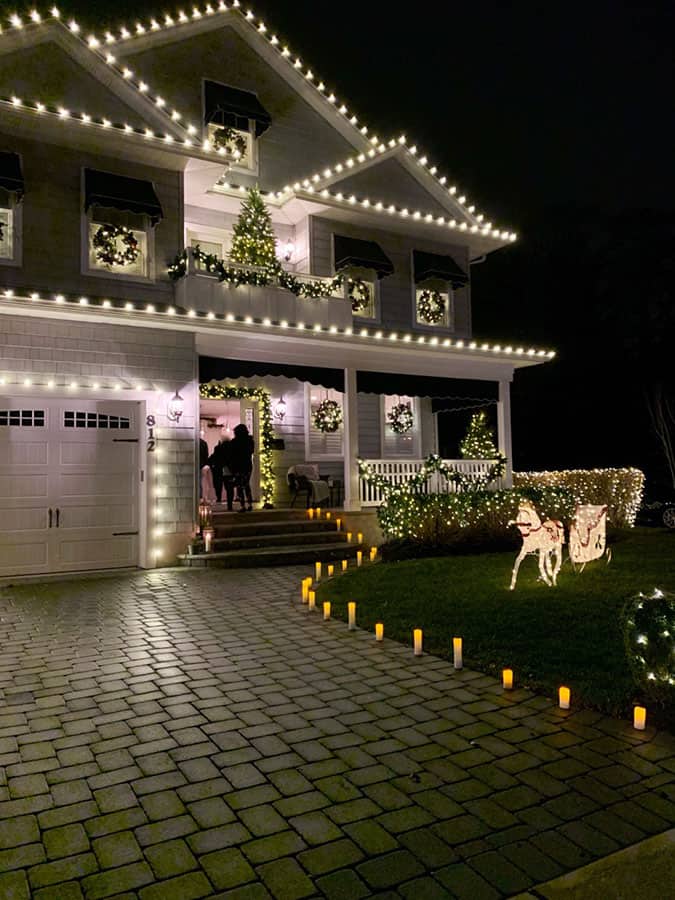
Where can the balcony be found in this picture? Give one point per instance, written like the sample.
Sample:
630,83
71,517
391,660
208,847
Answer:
202,291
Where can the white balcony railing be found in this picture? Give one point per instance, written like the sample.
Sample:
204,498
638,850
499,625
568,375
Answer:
202,291
399,471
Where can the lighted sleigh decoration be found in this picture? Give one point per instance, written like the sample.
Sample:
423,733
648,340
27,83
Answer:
544,538
588,535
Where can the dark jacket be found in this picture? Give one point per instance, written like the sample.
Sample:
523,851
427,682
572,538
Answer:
241,451
220,458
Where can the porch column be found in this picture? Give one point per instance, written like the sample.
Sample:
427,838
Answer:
351,441
504,430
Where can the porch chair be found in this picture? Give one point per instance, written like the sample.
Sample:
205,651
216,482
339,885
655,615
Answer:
307,480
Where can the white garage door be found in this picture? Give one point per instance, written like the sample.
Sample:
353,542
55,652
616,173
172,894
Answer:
69,484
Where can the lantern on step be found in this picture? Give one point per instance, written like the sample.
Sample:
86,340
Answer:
204,516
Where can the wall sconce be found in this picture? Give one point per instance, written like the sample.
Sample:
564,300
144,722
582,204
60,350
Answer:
280,409
289,250
174,410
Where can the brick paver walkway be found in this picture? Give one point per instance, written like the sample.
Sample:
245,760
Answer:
188,734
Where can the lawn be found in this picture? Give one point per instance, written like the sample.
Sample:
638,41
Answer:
548,636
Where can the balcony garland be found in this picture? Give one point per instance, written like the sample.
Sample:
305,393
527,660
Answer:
236,275
235,392
432,464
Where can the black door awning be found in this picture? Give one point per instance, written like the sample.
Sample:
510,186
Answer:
364,254
450,393
212,368
11,176
227,105
433,265
119,192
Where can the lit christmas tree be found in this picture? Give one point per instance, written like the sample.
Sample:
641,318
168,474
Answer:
253,243
478,442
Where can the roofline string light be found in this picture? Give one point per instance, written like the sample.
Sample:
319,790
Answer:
316,329
98,46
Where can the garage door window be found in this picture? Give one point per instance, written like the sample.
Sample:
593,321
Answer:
75,419
23,418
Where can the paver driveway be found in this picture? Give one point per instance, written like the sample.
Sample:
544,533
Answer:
184,734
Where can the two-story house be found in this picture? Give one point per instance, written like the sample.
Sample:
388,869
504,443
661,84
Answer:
119,351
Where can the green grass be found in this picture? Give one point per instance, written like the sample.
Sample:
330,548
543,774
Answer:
549,636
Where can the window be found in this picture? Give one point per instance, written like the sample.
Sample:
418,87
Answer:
362,295
236,143
434,306
401,428
10,229
214,241
234,120
322,445
22,418
128,237
73,419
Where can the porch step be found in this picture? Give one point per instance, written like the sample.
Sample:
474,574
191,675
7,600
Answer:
271,556
265,539
242,526
261,515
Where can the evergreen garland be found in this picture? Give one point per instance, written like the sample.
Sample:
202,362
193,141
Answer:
107,249
431,307
400,418
327,417
478,442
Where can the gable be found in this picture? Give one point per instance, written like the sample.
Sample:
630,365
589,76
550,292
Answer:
298,133
47,73
389,181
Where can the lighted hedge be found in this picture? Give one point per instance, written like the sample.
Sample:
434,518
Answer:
649,635
620,490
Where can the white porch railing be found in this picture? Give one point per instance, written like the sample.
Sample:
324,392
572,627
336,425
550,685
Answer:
398,471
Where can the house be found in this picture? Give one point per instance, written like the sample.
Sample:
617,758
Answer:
124,160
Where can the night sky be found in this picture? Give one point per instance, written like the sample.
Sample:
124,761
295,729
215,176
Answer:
557,120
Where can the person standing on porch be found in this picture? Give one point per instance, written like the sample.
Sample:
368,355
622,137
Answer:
241,463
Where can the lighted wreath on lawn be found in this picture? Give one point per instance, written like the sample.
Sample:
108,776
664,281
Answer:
400,418
649,638
327,416
229,140
115,245
431,307
359,294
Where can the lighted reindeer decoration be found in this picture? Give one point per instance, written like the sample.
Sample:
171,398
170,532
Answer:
545,538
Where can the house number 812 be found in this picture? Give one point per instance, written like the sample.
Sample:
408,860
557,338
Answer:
151,441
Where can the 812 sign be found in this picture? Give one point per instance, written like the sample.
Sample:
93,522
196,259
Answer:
151,442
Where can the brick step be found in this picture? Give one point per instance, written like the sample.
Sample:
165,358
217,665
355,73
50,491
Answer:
221,514
271,556
303,538
242,526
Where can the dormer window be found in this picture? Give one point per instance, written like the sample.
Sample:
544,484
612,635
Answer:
11,192
363,263
436,279
234,120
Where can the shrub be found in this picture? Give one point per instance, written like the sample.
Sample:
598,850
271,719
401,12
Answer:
648,624
463,521
620,490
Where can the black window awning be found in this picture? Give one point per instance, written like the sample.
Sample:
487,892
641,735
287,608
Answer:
433,265
11,176
213,369
363,254
119,192
227,105
447,393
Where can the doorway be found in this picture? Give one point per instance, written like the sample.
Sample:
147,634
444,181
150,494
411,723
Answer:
219,418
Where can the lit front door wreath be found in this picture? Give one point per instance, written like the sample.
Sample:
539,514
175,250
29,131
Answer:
359,294
327,416
108,250
400,418
431,307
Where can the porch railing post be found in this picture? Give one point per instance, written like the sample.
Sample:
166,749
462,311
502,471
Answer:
504,430
351,441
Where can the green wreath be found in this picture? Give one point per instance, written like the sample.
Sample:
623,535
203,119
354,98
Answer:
226,138
359,294
400,418
431,307
107,250
327,416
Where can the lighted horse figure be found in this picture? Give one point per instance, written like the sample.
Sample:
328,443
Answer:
545,538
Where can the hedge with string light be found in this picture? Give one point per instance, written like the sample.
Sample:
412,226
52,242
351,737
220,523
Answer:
648,624
234,392
620,490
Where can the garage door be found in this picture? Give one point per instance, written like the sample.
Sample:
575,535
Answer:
69,485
